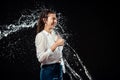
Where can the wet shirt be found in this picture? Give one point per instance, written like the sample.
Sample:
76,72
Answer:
43,42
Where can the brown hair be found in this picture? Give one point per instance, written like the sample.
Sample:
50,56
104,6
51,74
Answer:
43,14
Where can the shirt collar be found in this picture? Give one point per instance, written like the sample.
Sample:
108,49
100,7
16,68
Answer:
47,32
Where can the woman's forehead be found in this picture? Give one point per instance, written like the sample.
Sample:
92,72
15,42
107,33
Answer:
51,15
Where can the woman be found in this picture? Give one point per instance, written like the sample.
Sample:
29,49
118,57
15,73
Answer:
49,47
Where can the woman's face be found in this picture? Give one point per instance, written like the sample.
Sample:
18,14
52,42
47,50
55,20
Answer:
51,20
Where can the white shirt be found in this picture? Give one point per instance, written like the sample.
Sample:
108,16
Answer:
43,42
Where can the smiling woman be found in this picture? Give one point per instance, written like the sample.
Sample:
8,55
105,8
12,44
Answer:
49,47
86,26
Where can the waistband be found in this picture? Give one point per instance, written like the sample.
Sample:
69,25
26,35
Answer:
47,65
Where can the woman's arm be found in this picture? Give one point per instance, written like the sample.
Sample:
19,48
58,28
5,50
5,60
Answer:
41,48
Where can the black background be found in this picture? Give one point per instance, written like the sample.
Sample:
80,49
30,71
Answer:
93,25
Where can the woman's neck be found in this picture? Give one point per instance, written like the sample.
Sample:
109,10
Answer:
48,30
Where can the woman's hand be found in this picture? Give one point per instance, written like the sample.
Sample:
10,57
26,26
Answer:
59,41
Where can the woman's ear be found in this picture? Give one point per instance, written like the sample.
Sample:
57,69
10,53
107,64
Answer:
44,20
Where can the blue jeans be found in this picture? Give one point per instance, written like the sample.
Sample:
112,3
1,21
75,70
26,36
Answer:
51,72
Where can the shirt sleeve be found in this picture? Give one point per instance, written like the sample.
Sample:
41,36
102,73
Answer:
41,48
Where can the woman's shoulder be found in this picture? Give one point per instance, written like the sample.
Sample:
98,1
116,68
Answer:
40,34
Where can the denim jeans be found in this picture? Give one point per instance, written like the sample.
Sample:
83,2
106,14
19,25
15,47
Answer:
51,72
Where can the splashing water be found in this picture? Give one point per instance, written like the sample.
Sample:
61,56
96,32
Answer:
74,66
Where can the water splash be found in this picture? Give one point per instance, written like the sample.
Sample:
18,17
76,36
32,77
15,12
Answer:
74,66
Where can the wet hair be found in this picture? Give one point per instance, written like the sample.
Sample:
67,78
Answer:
43,14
